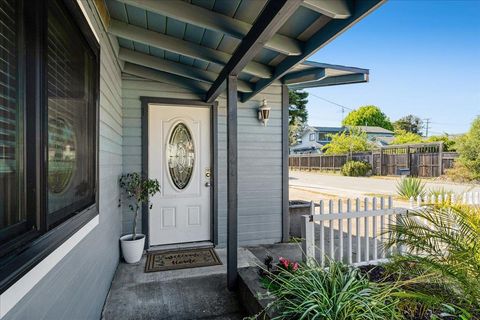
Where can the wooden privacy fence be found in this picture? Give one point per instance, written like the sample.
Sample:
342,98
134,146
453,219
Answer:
354,235
423,160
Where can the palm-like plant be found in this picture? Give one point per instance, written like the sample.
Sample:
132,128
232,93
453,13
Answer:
408,187
443,241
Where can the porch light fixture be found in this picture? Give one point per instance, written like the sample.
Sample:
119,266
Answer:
264,112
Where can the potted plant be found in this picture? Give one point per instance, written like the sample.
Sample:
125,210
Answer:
138,190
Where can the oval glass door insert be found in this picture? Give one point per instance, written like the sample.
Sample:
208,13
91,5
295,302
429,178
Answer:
180,156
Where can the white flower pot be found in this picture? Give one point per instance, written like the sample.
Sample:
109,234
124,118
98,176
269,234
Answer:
132,250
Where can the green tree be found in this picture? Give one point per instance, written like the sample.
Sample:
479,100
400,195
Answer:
448,142
468,146
368,116
297,113
405,137
409,123
294,130
346,142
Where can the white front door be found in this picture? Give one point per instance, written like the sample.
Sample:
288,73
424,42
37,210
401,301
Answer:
179,145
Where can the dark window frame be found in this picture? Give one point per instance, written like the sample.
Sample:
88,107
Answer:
21,254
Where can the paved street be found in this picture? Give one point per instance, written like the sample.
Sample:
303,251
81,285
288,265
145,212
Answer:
306,185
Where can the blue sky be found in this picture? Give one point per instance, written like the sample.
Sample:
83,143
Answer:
424,59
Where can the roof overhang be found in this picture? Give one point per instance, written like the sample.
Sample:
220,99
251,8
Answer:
313,74
199,43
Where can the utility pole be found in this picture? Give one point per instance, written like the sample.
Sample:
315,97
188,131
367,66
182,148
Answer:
427,124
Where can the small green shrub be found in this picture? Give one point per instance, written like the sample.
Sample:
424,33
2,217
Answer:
338,292
460,173
356,168
408,187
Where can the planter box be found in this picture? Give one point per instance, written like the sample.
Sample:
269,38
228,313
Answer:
252,295
297,209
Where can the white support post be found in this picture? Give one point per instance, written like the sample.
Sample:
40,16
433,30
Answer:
332,231
340,230
367,232
308,236
349,232
412,202
382,227
322,236
374,231
419,201
357,227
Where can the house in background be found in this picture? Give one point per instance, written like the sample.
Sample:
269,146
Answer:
313,139
92,89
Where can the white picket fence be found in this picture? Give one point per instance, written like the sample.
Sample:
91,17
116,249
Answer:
468,198
354,235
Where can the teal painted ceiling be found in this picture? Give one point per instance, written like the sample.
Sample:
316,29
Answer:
301,26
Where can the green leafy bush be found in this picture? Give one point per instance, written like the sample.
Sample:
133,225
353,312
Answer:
442,246
405,137
448,141
408,187
356,168
337,292
468,146
354,140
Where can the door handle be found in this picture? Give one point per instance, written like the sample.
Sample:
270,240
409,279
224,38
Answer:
208,184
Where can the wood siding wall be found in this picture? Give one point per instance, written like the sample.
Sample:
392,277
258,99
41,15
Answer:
77,286
260,159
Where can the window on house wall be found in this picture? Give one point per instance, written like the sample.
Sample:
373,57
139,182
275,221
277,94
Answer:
12,211
312,136
48,127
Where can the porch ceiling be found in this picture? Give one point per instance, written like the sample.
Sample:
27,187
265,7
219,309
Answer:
190,42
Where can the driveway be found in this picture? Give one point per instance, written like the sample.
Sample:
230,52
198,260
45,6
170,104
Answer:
308,186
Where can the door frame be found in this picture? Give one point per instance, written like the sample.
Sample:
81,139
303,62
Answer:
172,102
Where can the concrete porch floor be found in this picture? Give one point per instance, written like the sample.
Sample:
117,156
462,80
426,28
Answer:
198,293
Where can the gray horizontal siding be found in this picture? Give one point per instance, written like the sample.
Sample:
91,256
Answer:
77,286
260,159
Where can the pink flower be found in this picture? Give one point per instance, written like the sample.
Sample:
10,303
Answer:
295,266
284,262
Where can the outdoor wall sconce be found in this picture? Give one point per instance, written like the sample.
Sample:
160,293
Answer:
264,112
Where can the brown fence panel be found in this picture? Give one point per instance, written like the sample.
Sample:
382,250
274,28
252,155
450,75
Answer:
423,160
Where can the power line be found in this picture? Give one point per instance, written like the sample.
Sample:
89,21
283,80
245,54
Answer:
334,103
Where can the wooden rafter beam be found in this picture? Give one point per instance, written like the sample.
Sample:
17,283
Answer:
319,40
272,18
305,76
195,86
176,68
332,81
186,48
215,21
103,13
335,9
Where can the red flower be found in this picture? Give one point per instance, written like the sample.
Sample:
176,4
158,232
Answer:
284,262
295,266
